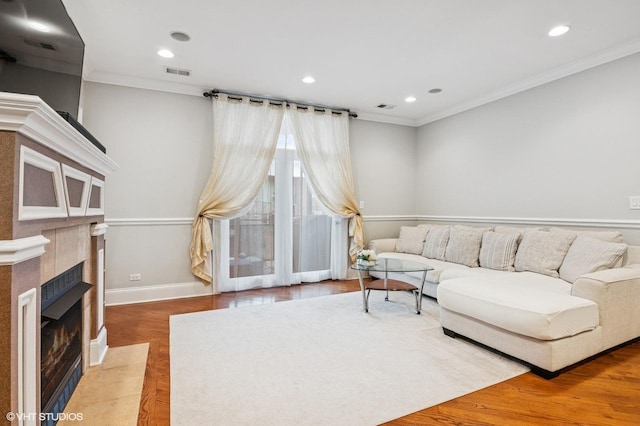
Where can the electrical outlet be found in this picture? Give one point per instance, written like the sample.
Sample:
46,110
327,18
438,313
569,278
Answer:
135,277
634,202
361,204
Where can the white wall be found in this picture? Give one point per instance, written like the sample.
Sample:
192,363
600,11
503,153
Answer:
162,143
565,151
569,150
384,167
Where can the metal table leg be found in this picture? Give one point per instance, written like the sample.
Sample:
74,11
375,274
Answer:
419,293
365,302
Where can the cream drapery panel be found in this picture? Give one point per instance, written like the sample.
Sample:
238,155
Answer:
245,135
322,143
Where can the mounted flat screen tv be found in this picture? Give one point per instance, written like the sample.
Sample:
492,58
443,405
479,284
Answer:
41,53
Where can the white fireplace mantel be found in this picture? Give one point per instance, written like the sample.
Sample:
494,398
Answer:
32,117
16,251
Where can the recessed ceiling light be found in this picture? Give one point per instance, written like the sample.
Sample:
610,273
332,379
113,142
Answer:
165,53
180,36
559,30
39,26
309,80
410,99
434,91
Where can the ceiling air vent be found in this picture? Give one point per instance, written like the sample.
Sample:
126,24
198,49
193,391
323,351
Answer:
177,71
41,44
386,106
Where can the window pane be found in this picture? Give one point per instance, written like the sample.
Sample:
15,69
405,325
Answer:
251,237
311,227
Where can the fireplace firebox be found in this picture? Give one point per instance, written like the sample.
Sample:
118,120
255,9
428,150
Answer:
61,340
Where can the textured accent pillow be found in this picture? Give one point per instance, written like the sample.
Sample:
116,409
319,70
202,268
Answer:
411,239
436,242
588,254
543,252
464,246
498,250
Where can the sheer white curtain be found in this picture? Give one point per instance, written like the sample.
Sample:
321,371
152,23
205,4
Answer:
287,236
245,134
322,143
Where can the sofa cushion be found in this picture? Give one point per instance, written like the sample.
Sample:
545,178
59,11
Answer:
610,236
464,246
498,250
433,275
543,252
587,255
502,229
541,310
436,242
411,239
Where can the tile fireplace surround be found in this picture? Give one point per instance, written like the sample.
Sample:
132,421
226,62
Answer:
52,183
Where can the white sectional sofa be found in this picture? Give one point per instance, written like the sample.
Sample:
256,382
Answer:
549,297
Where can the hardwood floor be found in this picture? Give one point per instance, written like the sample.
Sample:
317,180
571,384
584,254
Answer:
605,391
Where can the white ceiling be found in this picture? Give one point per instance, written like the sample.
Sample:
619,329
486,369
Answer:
361,52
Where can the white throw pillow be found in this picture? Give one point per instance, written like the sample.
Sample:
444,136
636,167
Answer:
588,254
463,246
436,242
498,250
411,239
543,252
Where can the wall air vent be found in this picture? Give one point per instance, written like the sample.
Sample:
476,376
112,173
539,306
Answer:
386,106
177,71
41,44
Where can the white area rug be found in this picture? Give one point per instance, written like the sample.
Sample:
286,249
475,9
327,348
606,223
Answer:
321,361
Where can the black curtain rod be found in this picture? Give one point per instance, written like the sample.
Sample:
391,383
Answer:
214,94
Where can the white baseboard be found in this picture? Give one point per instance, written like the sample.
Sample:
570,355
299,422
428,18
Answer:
125,296
98,348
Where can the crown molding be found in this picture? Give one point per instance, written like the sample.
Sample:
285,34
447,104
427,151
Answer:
145,83
582,64
32,117
381,118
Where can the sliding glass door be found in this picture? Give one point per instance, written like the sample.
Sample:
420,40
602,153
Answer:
285,237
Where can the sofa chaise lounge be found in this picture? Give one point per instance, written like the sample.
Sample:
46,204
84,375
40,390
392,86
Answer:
548,297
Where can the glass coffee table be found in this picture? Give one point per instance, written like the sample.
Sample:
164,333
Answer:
386,265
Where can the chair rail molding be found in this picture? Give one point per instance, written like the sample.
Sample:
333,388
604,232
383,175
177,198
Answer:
576,222
579,222
148,221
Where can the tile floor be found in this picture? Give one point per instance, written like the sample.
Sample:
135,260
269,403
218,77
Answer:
109,393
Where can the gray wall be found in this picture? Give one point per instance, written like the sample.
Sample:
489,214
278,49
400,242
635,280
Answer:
566,150
162,143
558,154
384,167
